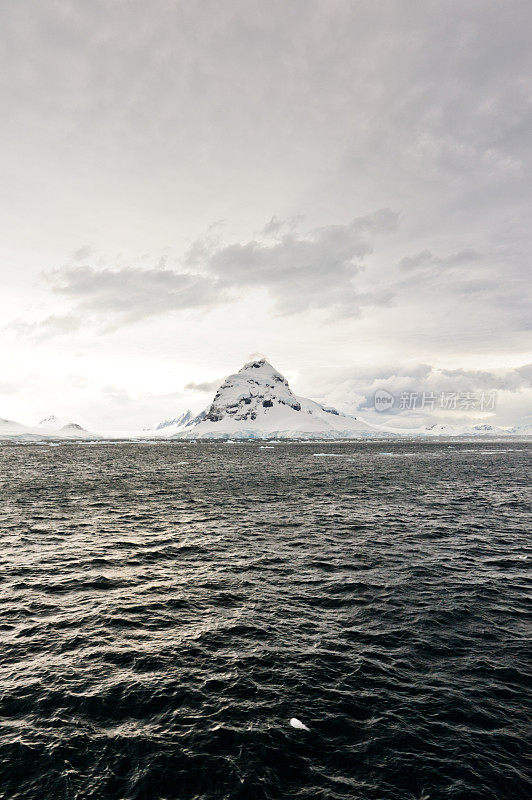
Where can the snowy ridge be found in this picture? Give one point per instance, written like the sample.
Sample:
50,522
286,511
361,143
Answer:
169,427
181,421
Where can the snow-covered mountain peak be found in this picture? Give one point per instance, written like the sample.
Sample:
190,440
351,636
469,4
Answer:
254,391
260,368
257,402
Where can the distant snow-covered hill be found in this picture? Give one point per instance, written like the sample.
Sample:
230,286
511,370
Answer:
63,427
51,427
446,429
9,428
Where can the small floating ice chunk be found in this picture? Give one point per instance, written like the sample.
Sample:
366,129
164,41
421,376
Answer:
296,723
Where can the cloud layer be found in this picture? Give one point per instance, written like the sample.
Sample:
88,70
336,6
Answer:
128,131
300,272
129,294
423,381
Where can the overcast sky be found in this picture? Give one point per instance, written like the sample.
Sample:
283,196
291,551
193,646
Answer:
344,187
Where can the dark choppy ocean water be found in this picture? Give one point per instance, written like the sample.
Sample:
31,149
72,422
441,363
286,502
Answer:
165,609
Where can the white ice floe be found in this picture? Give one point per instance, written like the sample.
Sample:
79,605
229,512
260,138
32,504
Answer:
331,455
296,723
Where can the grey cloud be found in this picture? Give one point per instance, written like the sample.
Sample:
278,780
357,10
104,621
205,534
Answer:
47,328
312,271
472,286
526,373
383,371
425,259
480,298
512,380
131,294
274,228
420,378
82,253
117,395
444,380
207,386
301,271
